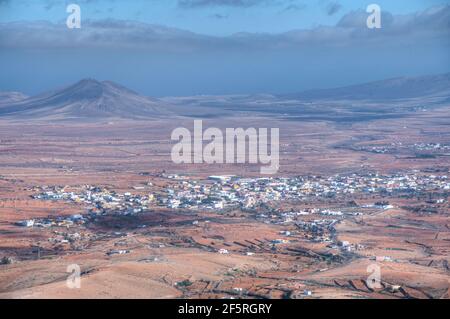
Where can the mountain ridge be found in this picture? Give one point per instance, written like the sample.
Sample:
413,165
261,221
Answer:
392,88
93,99
88,98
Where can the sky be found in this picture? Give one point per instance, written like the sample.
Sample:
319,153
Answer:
190,47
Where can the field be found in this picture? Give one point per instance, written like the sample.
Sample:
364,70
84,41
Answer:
172,253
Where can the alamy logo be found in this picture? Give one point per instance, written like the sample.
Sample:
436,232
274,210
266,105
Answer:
239,146
373,281
74,19
74,279
374,19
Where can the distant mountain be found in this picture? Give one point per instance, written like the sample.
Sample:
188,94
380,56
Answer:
87,99
11,97
94,100
397,88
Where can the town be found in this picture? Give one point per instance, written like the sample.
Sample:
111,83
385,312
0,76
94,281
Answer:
222,192
257,198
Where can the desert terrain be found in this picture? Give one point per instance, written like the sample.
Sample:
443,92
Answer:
354,193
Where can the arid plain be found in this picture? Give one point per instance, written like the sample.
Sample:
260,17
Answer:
171,253
92,204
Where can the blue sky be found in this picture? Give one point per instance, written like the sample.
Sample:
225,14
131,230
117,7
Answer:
188,47
257,16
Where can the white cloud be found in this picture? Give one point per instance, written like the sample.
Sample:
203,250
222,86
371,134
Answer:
350,30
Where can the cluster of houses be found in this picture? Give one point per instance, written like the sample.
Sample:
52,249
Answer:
101,200
76,239
397,146
221,192
318,230
432,147
53,221
71,236
228,191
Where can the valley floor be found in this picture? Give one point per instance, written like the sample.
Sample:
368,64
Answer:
183,253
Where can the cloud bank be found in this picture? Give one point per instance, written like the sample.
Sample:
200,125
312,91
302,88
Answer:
159,60
350,30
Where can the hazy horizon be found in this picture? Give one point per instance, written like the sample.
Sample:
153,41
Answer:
174,56
61,87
